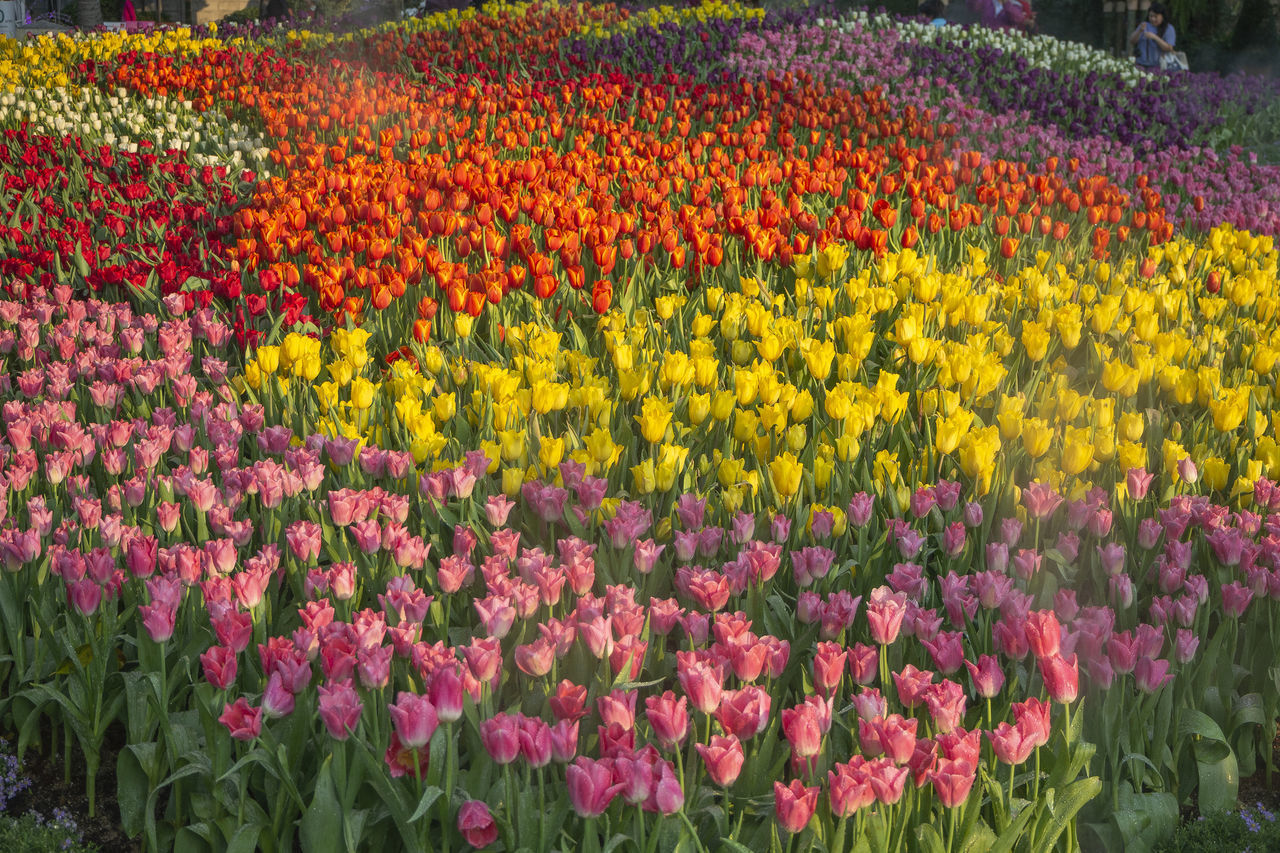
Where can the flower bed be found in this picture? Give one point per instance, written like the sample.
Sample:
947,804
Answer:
570,433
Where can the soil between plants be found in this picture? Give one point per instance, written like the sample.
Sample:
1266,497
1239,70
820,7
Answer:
50,790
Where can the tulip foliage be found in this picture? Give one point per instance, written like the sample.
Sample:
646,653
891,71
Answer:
549,445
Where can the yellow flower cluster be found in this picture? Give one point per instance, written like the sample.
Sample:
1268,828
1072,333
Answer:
47,61
828,380
707,10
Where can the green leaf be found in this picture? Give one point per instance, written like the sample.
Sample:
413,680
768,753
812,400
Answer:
1062,810
1219,784
353,824
615,842
1013,832
197,838
392,798
322,823
429,796
1247,710
135,770
245,839
735,847
930,840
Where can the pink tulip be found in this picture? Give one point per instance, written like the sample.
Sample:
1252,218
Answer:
887,780
1138,483
1150,675
669,718
723,759
242,721
497,508
500,735
912,684
340,709
800,725
1061,678
849,787
897,736
745,712
946,703
85,595
535,741
591,786
1043,633
1235,598
219,663
277,701
987,676
1012,744
476,824
828,668
885,612
794,804
1041,500
860,509
702,681
414,718
952,781
564,740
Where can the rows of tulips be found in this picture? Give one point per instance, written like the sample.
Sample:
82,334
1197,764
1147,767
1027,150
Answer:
789,515
158,530
728,178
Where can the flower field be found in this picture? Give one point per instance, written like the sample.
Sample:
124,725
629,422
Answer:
566,427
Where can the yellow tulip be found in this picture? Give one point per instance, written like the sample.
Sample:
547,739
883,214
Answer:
699,408
513,444
654,418
268,359
1035,340
444,407
722,405
253,374
362,391
801,406
603,450
950,430
1216,473
786,472
1077,450
1036,435
819,358
550,452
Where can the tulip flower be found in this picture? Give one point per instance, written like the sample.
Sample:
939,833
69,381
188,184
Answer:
476,824
1061,678
414,718
794,804
591,786
242,721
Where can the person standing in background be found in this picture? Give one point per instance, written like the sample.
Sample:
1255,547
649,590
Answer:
1154,37
1010,14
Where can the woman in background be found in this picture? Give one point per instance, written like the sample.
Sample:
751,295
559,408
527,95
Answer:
1154,37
